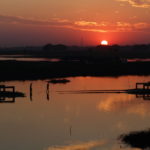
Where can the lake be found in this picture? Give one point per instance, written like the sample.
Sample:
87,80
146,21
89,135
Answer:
36,59
27,58
51,118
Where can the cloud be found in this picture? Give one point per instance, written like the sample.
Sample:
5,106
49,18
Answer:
127,103
142,25
81,25
22,20
116,103
85,23
112,27
80,146
138,3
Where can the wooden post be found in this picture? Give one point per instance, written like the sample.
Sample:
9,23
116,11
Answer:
136,85
13,89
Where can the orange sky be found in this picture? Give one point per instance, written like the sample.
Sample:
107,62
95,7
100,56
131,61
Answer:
38,22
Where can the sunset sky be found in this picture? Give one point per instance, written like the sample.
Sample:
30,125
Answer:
74,22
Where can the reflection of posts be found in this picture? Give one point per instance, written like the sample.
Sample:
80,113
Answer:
147,97
4,100
143,96
70,130
47,91
4,93
30,91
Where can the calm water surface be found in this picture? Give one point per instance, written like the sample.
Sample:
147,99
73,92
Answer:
36,59
23,58
49,120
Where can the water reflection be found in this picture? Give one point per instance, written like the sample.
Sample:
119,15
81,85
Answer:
141,92
53,121
8,94
7,100
126,104
30,91
25,58
79,146
47,91
143,96
138,60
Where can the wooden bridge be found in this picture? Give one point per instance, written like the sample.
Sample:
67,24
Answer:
4,88
142,90
143,86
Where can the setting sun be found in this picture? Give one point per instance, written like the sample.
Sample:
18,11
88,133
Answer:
104,42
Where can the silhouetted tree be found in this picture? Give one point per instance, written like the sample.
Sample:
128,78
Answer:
48,47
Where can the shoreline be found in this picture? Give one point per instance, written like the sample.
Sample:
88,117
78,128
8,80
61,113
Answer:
26,70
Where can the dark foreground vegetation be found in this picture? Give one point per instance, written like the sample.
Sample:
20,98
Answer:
75,61
139,139
21,70
80,53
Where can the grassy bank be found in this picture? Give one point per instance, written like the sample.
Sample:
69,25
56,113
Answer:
22,70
